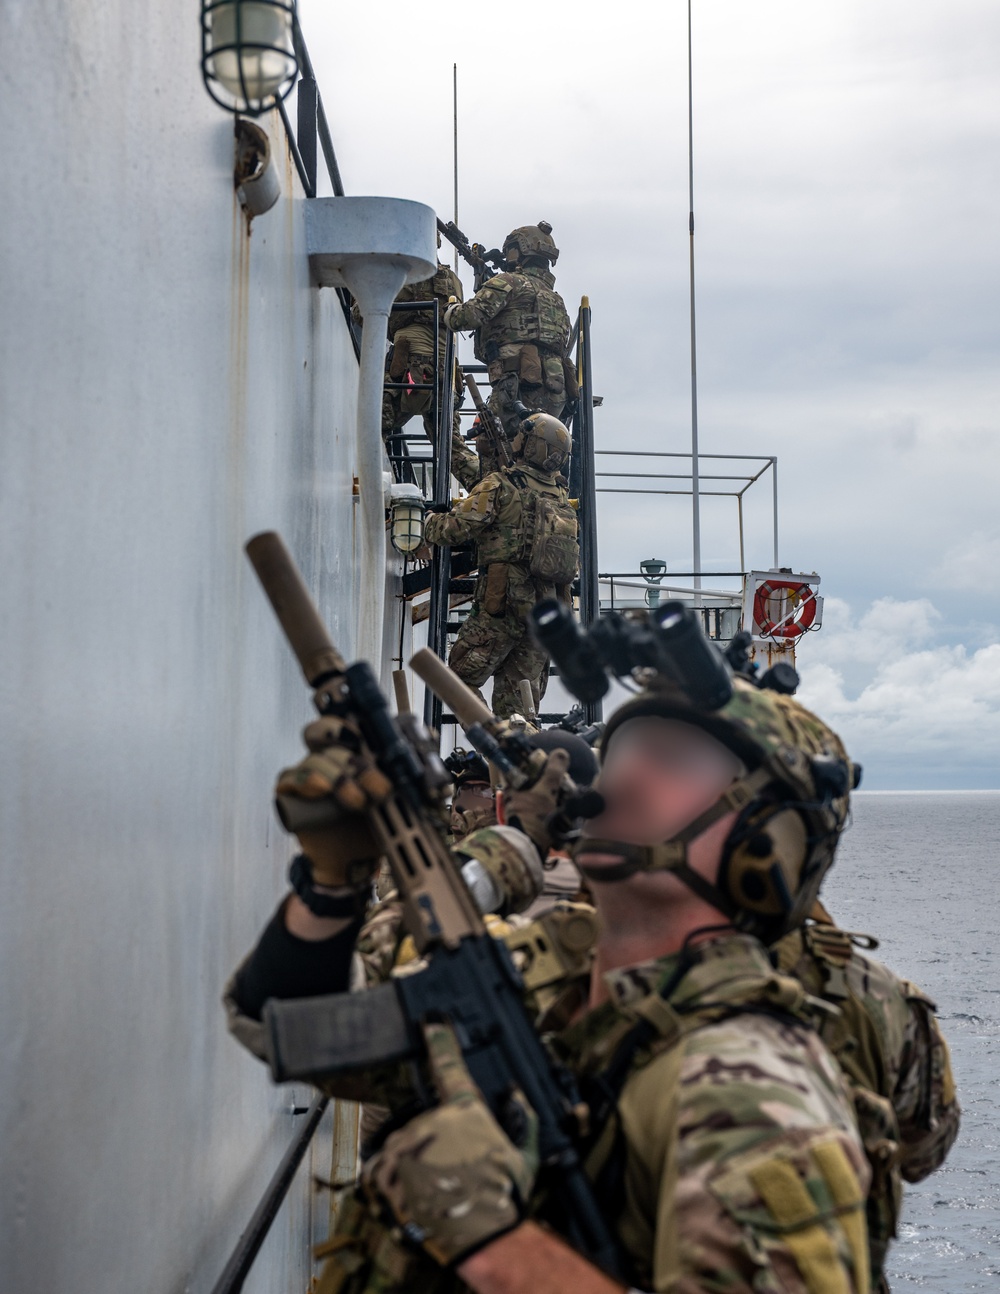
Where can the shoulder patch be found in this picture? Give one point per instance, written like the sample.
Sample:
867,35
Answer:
502,283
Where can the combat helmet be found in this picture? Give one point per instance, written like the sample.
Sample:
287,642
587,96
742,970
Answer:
530,241
543,441
792,802
466,766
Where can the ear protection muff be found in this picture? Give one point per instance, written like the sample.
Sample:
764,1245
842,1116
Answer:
762,863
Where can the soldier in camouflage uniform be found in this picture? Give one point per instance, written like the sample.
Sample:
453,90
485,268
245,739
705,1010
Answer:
525,536
723,1145
412,360
522,334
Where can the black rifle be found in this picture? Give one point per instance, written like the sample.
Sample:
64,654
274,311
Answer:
490,424
575,721
484,263
469,978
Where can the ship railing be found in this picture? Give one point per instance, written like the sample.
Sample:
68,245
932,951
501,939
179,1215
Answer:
240,1261
742,482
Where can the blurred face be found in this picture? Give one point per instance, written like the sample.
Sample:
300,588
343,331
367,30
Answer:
659,775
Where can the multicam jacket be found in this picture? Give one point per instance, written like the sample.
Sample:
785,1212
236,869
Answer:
730,1162
887,1041
515,308
495,517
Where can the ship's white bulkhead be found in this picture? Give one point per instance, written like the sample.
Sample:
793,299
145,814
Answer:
171,382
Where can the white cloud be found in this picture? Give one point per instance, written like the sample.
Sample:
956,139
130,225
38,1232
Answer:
845,191
972,563
923,714
888,631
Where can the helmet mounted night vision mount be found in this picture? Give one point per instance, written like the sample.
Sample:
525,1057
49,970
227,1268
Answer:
791,802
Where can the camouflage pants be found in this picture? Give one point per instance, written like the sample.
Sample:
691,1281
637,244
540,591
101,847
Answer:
399,406
547,396
501,648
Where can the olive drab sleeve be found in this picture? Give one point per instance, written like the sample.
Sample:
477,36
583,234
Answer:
476,513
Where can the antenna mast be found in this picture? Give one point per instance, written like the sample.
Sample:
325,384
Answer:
454,137
695,480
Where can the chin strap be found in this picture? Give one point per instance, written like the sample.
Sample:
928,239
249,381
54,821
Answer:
671,855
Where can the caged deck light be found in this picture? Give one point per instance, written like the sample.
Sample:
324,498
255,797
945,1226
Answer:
248,60
407,518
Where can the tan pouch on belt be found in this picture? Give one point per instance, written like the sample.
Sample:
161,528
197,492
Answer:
495,602
530,366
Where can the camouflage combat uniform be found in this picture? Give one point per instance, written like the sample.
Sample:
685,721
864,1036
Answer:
888,1043
730,1161
412,335
522,333
494,641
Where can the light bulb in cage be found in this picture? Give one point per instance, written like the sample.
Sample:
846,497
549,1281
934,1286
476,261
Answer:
248,60
406,525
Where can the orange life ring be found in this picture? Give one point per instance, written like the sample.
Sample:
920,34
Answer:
790,629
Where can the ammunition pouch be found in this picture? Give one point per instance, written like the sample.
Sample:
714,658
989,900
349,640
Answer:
529,365
495,599
569,377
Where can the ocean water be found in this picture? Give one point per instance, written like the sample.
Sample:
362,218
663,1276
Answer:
921,870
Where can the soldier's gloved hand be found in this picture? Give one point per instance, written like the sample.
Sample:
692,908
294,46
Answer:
530,809
453,304
452,1177
322,800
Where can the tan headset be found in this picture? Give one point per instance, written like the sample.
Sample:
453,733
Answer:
761,867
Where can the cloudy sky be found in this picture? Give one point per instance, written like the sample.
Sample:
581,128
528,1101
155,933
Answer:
847,177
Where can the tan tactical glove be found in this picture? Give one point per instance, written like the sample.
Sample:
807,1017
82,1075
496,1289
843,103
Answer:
452,1177
322,800
529,810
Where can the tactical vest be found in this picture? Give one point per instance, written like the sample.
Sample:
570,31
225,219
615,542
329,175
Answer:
621,1046
819,955
442,285
551,551
512,537
534,312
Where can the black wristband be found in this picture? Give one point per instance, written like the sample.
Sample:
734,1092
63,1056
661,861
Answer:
300,878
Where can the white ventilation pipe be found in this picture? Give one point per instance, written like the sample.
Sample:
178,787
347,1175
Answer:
371,246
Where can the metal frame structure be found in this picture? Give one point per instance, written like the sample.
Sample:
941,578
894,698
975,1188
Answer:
770,461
